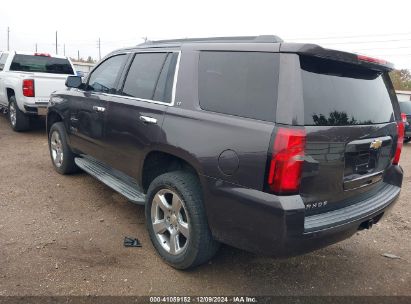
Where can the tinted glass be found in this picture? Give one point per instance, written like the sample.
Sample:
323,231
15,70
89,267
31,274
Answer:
239,83
3,59
164,87
144,74
337,93
406,107
41,64
103,79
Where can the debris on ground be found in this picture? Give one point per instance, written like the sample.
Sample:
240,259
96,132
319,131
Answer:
390,256
131,242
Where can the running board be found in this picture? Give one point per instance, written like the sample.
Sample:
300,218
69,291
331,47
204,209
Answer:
116,180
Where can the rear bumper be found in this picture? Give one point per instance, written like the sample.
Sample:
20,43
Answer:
276,225
38,108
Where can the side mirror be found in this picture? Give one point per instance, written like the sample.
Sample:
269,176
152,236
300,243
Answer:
74,82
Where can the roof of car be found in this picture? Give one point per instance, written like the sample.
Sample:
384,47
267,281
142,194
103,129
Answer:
261,43
232,39
177,43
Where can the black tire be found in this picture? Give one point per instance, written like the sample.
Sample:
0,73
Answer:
200,245
67,164
19,121
407,140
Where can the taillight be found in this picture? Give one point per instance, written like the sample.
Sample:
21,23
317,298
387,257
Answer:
42,54
28,87
371,59
287,160
400,138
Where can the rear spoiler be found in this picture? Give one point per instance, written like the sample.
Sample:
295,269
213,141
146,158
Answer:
320,52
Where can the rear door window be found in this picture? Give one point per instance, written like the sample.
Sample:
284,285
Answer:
338,93
41,64
239,83
151,76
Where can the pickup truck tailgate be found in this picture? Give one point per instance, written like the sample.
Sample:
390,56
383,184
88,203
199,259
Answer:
45,84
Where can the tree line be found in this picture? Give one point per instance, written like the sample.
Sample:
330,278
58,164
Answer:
401,79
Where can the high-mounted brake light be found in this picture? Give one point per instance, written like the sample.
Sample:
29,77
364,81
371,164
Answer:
400,138
371,59
28,87
286,161
42,54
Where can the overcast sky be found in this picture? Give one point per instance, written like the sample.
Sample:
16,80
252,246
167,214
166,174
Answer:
378,28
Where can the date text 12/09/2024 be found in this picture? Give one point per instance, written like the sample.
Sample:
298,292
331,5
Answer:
203,299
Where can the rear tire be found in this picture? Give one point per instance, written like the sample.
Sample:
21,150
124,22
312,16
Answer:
407,140
61,155
18,120
175,211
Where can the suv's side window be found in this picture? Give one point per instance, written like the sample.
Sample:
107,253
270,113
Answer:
239,83
151,76
3,59
104,77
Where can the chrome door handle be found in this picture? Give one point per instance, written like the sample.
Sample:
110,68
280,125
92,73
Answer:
148,119
99,109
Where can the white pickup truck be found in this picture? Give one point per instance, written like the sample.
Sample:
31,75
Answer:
26,82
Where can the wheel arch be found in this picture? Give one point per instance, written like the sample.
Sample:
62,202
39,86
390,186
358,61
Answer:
52,118
158,161
10,92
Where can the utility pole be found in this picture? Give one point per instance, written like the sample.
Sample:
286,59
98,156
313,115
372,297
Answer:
64,49
36,47
8,38
99,48
56,45
78,55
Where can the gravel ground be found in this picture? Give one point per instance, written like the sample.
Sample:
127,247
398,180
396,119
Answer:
63,235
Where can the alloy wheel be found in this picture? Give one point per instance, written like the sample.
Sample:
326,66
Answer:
56,149
13,114
170,221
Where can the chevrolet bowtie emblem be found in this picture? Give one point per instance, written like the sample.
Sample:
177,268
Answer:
376,144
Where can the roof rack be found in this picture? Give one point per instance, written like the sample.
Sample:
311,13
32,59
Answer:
239,39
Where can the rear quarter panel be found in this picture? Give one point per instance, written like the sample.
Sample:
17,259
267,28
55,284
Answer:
213,142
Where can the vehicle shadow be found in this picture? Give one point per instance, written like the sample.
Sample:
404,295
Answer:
37,124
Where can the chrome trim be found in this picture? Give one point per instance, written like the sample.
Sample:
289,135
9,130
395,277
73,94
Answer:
148,119
36,105
99,109
173,93
371,175
139,99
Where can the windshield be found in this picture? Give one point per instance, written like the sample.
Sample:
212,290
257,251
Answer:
338,93
41,64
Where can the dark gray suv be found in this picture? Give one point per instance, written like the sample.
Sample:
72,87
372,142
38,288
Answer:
272,147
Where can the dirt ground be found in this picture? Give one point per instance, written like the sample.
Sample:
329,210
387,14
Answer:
63,235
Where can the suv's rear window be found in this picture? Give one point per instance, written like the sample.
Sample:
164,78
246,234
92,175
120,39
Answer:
41,64
239,83
337,93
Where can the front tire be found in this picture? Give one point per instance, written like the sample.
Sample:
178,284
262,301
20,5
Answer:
177,222
18,120
61,155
